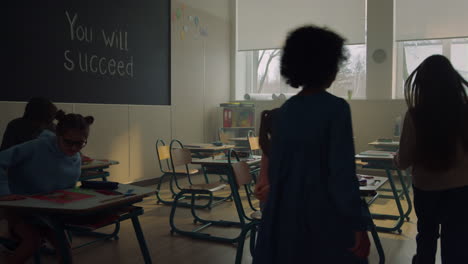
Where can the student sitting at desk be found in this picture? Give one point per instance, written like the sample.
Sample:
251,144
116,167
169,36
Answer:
38,115
48,163
313,211
434,142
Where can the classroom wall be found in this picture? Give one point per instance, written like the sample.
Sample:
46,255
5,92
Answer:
200,66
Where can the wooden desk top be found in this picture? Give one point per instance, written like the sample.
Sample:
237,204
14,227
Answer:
375,155
207,147
98,163
89,205
224,161
385,143
239,139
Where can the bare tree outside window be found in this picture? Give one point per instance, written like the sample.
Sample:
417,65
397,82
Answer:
267,64
351,80
263,74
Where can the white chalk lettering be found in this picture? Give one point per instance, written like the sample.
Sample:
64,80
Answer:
71,65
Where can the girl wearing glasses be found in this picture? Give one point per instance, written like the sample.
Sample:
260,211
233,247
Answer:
50,162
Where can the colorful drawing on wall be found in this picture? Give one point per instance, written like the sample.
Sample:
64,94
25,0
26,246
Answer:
178,13
188,25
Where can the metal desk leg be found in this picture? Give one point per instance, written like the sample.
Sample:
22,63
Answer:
372,229
409,182
399,218
378,244
141,239
207,180
406,193
63,244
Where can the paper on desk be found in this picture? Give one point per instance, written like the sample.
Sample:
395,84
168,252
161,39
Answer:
62,197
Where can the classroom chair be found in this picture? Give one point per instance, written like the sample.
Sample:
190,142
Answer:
182,158
163,153
254,152
254,146
238,175
223,136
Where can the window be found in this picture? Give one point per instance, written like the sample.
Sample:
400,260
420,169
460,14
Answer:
412,53
459,56
267,71
263,79
351,80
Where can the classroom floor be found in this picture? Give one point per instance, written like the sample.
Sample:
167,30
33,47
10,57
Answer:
176,249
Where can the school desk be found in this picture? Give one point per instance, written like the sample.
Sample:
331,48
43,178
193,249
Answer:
386,145
221,165
242,144
384,161
56,214
95,169
201,150
392,146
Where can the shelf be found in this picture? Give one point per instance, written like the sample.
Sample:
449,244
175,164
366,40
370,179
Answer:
238,127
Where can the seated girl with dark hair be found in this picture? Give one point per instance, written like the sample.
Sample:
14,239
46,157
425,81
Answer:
50,162
39,114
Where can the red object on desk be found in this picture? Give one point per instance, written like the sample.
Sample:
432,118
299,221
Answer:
62,197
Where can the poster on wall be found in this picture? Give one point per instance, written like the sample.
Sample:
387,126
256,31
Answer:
84,51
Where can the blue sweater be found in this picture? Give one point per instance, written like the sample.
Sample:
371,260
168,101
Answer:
37,166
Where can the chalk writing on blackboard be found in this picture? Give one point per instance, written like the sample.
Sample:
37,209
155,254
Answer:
86,62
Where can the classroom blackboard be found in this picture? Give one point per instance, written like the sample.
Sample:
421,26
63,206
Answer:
87,51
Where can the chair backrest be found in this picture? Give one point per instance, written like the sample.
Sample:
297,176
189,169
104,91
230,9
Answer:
163,153
254,143
181,156
223,137
242,177
242,173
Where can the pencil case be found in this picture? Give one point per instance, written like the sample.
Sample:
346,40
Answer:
99,185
